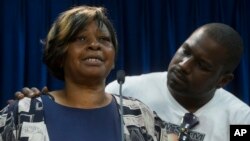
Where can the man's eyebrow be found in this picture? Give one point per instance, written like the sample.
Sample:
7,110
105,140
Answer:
189,48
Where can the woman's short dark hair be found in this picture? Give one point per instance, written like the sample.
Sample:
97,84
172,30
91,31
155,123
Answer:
66,28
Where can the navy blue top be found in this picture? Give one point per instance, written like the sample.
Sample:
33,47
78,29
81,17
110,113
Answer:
74,124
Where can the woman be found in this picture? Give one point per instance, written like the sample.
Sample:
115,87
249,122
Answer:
80,50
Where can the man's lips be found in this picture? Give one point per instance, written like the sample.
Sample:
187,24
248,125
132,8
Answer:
179,76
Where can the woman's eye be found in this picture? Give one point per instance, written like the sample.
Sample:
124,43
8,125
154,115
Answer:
80,39
105,39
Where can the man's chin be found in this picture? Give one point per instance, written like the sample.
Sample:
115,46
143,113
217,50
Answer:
176,89
177,86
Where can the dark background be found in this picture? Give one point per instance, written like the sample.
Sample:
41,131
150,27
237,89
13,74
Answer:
149,33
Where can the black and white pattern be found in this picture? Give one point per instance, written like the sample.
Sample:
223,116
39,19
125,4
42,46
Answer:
24,121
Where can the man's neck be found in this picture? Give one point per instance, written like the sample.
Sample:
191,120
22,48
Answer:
192,104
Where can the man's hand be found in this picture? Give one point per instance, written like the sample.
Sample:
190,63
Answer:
29,92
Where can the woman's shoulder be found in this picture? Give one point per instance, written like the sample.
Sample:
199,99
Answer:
25,106
23,113
134,106
18,105
139,116
128,101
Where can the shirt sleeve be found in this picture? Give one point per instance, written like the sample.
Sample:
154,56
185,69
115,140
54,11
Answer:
112,87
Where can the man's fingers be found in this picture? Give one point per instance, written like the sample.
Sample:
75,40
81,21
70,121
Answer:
45,89
35,90
19,95
28,92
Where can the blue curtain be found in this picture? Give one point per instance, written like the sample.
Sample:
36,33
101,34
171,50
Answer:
149,32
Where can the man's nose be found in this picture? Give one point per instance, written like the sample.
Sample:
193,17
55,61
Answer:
186,64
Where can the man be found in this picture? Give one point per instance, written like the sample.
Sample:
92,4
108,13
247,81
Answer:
194,83
200,68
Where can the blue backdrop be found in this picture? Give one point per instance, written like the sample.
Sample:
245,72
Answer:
149,32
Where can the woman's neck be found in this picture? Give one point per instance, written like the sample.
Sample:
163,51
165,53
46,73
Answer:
80,96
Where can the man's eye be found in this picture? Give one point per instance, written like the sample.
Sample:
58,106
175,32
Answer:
203,66
186,52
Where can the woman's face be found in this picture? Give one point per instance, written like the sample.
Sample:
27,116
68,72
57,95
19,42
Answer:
90,55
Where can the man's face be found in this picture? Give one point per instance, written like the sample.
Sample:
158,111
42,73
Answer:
196,69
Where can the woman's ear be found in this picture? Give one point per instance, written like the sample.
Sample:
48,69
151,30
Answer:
113,66
225,79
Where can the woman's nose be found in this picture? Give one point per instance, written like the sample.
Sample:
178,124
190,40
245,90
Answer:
94,45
